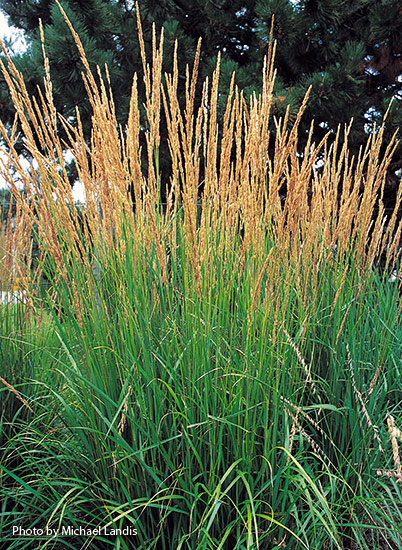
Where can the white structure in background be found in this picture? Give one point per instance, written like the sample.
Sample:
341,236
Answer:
14,297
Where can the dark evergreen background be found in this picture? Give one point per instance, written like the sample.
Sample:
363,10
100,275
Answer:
351,52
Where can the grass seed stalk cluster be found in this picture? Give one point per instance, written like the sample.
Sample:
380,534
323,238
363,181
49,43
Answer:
222,371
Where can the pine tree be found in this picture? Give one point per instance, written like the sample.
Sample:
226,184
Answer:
351,55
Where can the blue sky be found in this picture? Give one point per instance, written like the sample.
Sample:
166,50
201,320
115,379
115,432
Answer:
11,33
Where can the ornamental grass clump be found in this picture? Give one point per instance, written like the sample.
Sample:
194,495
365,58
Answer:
216,371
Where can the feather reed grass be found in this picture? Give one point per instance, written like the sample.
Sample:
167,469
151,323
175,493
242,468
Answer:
167,390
